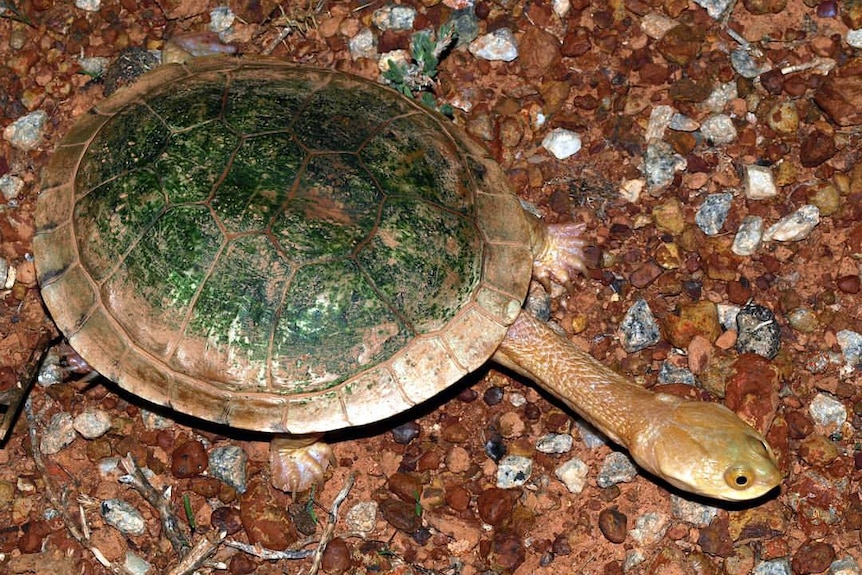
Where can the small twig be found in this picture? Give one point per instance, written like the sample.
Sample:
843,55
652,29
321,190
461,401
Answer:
136,479
268,554
57,502
13,398
197,555
326,536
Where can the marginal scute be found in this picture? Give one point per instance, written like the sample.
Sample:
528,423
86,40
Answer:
428,356
98,336
325,410
374,387
69,298
473,336
278,248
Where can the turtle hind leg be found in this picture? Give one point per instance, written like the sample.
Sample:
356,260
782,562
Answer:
298,462
558,250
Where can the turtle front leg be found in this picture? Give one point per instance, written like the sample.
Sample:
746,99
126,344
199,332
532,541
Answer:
298,462
557,250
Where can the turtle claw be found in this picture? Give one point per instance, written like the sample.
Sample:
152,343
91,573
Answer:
560,253
296,466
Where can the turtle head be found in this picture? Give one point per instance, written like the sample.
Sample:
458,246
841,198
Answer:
705,448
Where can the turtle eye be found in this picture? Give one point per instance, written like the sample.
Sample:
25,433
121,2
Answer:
739,477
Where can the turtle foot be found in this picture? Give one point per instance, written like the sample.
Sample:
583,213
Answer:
296,465
560,253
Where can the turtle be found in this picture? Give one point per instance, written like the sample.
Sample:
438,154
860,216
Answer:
292,250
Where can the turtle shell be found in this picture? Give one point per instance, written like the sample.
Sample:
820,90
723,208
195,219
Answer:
277,248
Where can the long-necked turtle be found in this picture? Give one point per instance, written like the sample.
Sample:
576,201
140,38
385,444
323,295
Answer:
291,250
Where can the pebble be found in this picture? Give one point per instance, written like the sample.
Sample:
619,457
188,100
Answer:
650,528
759,183
401,515
848,284
511,425
5,272
26,132
616,468
189,459
122,516
656,25
720,96
827,198
465,26
59,433
772,567
517,399
263,517
748,236
854,38
851,347
670,373
561,7
457,497
336,556
406,487
394,17
539,50
718,129
661,163
746,64
682,123
659,121
495,505
815,148
10,186
221,19
88,5
844,566
794,227
457,460
405,433
613,525
93,66
514,471
812,557
573,473
92,423
226,519
639,329
712,213
562,143
715,8
493,395
783,117
229,464
555,443
840,96
803,319
363,45
591,438
681,44
135,564
362,517
697,514
759,333
497,45
153,421
827,412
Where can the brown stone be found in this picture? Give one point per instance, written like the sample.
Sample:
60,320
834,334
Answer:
816,148
613,525
765,6
840,96
538,51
